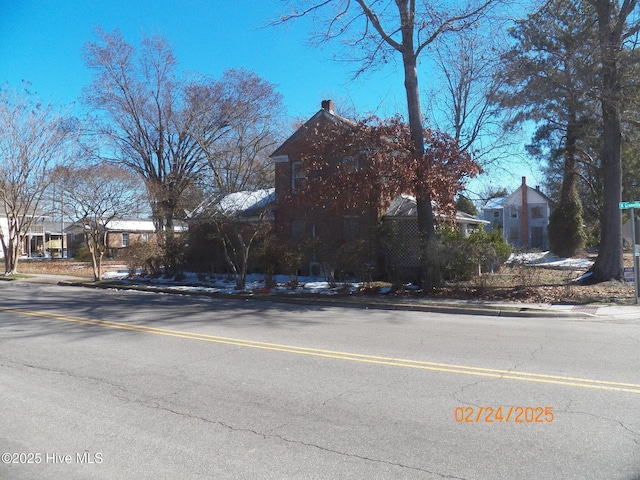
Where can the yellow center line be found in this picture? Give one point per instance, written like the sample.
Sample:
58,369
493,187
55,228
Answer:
353,357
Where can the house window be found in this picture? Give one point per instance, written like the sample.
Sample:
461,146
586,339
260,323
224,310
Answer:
514,234
350,164
297,176
297,229
471,228
125,239
350,227
144,237
514,212
537,237
496,214
536,212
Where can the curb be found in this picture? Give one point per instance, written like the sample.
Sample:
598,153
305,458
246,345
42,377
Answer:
484,310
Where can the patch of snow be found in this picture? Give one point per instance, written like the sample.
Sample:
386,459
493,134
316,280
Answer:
547,259
225,284
115,275
241,201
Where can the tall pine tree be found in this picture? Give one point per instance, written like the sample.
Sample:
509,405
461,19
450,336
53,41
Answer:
550,74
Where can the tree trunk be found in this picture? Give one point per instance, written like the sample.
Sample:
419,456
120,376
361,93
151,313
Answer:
5,255
431,276
12,267
609,264
99,265
94,261
13,251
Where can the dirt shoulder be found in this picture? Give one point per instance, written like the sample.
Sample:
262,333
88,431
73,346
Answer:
56,266
518,283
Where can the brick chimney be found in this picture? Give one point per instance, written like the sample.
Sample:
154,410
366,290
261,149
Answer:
327,105
525,214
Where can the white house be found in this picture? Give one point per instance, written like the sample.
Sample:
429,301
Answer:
523,217
45,238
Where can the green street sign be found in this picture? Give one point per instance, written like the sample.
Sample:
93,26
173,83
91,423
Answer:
625,205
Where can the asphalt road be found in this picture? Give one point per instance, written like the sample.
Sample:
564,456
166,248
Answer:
121,385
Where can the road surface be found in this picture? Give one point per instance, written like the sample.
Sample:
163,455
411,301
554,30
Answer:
118,385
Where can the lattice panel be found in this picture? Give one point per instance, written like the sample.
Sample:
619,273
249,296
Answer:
404,246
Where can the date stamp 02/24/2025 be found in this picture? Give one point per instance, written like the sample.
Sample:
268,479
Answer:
517,414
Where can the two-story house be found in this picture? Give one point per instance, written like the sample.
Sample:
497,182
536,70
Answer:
523,217
333,226
296,221
45,238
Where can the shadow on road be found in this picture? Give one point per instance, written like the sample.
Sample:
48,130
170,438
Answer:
141,308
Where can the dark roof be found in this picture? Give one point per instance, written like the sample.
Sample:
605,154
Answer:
321,115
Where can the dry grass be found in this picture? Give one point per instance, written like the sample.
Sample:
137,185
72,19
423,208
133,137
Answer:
541,285
520,283
64,267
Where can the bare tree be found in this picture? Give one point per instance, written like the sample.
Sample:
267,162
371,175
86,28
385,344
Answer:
381,29
240,171
33,139
96,195
463,105
148,122
240,220
237,155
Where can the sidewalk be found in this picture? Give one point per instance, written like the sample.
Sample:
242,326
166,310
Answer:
469,307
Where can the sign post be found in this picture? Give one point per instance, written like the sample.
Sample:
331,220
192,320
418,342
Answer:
632,206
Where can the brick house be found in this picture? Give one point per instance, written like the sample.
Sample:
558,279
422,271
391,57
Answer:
121,233
295,223
338,228
523,217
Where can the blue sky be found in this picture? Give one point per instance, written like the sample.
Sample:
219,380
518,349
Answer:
41,42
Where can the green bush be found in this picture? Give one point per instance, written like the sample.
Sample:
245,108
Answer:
491,250
455,255
566,230
461,257
143,255
82,254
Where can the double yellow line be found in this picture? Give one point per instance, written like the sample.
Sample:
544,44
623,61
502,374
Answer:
352,357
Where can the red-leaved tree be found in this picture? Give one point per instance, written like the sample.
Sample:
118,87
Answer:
369,163
355,168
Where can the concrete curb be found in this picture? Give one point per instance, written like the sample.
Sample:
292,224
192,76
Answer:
517,311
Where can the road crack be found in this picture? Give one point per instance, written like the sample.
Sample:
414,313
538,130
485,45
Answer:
306,444
635,435
532,357
67,373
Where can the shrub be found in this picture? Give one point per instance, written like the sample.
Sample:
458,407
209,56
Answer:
82,254
143,255
462,257
455,254
354,260
566,230
491,250
273,256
